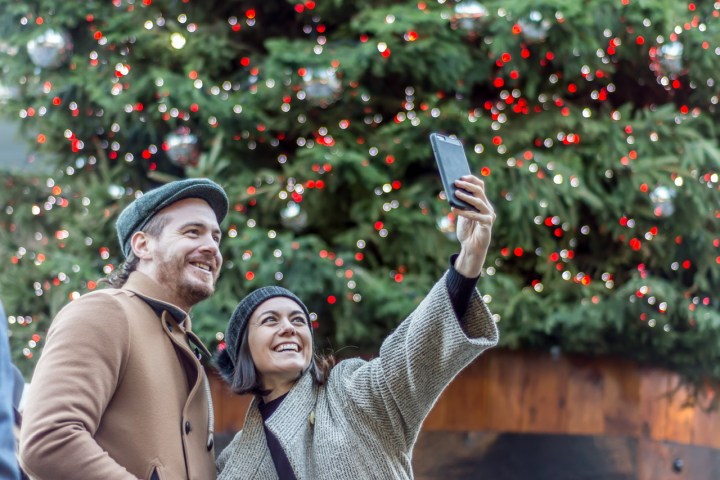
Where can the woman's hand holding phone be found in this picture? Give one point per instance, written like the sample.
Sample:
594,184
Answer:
474,227
466,195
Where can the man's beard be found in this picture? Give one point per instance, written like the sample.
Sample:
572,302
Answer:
194,294
172,275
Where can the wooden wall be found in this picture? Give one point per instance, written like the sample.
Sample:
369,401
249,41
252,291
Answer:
513,415
535,393
519,392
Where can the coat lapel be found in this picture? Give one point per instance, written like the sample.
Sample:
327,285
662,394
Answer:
250,457
293,415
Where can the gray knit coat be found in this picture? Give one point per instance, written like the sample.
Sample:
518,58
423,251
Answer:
363,423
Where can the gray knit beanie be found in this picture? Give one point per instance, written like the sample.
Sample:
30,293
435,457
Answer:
136,215
238,323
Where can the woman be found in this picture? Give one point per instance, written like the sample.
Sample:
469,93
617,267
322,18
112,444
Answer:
358,419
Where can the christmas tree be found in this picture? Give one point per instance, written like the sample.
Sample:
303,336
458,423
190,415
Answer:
593,124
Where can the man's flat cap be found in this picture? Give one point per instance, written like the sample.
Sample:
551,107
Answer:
136,215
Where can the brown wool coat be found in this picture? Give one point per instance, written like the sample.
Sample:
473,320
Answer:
119,392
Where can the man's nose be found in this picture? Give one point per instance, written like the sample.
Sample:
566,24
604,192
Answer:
209,244
210,247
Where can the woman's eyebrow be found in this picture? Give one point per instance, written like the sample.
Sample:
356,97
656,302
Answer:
276,313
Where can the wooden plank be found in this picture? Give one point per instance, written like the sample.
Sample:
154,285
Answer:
654,386
680,426
473,387
707,424
584,392
621,398
503,405
543,394
467,393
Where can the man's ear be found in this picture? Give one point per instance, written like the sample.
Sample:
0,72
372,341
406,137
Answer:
140,244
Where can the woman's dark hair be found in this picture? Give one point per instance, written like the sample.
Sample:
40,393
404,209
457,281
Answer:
246,378
119,276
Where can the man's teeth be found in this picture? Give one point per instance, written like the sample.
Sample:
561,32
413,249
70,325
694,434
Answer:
202,265
287,346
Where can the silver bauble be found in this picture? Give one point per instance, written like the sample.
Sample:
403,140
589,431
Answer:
534,27
663,202
669,58
182,147
469,15
321,85
293,216
50,49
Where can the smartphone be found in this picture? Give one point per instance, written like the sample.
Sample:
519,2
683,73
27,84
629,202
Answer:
452,164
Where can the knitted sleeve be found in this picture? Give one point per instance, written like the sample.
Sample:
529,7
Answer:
393,393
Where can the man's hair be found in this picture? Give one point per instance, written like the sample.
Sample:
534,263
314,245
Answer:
119,275
246,378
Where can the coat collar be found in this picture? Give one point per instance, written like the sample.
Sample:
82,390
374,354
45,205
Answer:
156,296
293,414
292,418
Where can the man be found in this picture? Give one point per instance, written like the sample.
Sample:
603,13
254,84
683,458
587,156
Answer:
8,463
119,391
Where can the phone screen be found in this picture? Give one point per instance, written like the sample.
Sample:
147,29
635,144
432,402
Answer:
452,164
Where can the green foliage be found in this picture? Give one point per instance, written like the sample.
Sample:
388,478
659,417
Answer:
335,194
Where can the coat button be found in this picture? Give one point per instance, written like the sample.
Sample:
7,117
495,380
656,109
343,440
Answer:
187,427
